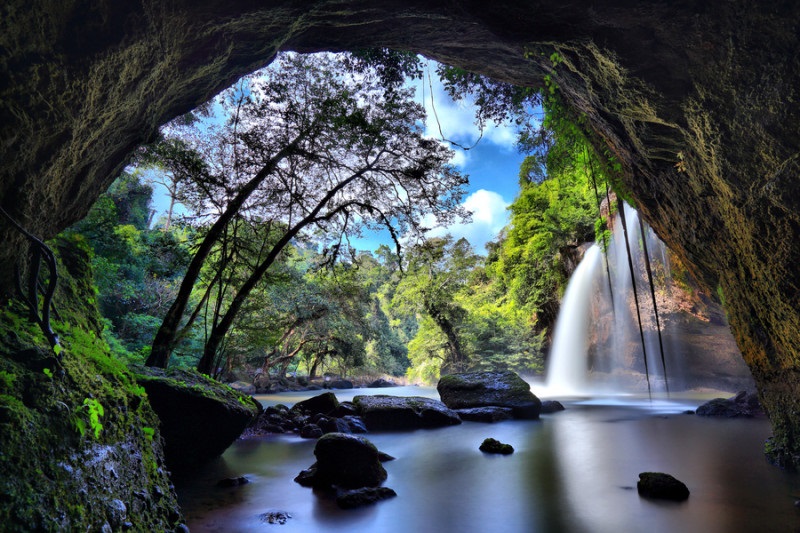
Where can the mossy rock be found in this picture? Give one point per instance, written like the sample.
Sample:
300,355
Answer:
489,389
199,417
80,448
491,445
345,461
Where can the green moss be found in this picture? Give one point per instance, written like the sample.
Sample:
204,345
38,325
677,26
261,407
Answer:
53,477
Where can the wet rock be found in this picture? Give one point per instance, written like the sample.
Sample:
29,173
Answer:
233,482
743,405
486,414
275,517
199,417
311,431
345,409
396,412
325,404
384,457
661,486
339,384
336,425
306,477
350,499
356,424
552,406
491,445
243,387
381,383
116,513
486,389
345,461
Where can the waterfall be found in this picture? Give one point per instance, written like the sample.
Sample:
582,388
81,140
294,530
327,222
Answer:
566,373
618,362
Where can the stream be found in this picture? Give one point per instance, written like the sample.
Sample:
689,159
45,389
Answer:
572,471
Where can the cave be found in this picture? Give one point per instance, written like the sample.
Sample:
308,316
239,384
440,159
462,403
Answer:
697,101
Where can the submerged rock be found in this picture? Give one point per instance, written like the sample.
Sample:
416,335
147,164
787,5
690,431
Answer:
233,482
491,445
661,486
552,406
350,499
743,405
275,517
345,461
485,389
399,412
200,417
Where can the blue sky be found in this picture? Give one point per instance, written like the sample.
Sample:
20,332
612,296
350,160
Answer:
492,166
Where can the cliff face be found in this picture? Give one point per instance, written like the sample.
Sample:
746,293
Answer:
698,102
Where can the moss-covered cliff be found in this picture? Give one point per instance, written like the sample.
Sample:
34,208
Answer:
696,100
80,446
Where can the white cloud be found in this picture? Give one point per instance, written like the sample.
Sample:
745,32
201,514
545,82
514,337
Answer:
455,121
489,216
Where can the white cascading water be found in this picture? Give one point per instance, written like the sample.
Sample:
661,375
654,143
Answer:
568,364
567,371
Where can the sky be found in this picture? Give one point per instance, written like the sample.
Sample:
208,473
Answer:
492,166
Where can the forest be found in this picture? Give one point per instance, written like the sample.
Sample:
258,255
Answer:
251,273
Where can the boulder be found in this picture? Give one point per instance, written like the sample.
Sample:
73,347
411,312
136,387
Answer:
346,409
396,412
551,406
661,486
325,403
350,499
344,461
486,414
486,389
243,387
311,431
743,405
491,445
381,383
199,417
339,384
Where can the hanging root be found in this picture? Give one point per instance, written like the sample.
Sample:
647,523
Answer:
40,254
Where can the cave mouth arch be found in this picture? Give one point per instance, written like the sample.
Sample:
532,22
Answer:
698,103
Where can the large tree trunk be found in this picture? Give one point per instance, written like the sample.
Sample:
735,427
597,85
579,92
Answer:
164,341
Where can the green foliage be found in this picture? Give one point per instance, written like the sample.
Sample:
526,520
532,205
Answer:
7,380
136,268
557,208
92,410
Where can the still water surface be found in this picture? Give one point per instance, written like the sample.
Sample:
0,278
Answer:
573,471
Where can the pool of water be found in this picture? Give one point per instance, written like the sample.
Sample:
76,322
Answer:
572,471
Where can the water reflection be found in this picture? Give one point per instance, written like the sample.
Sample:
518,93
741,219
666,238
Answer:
573,471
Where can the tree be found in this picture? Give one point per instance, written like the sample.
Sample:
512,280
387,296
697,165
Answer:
308,148
135,267
437,270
